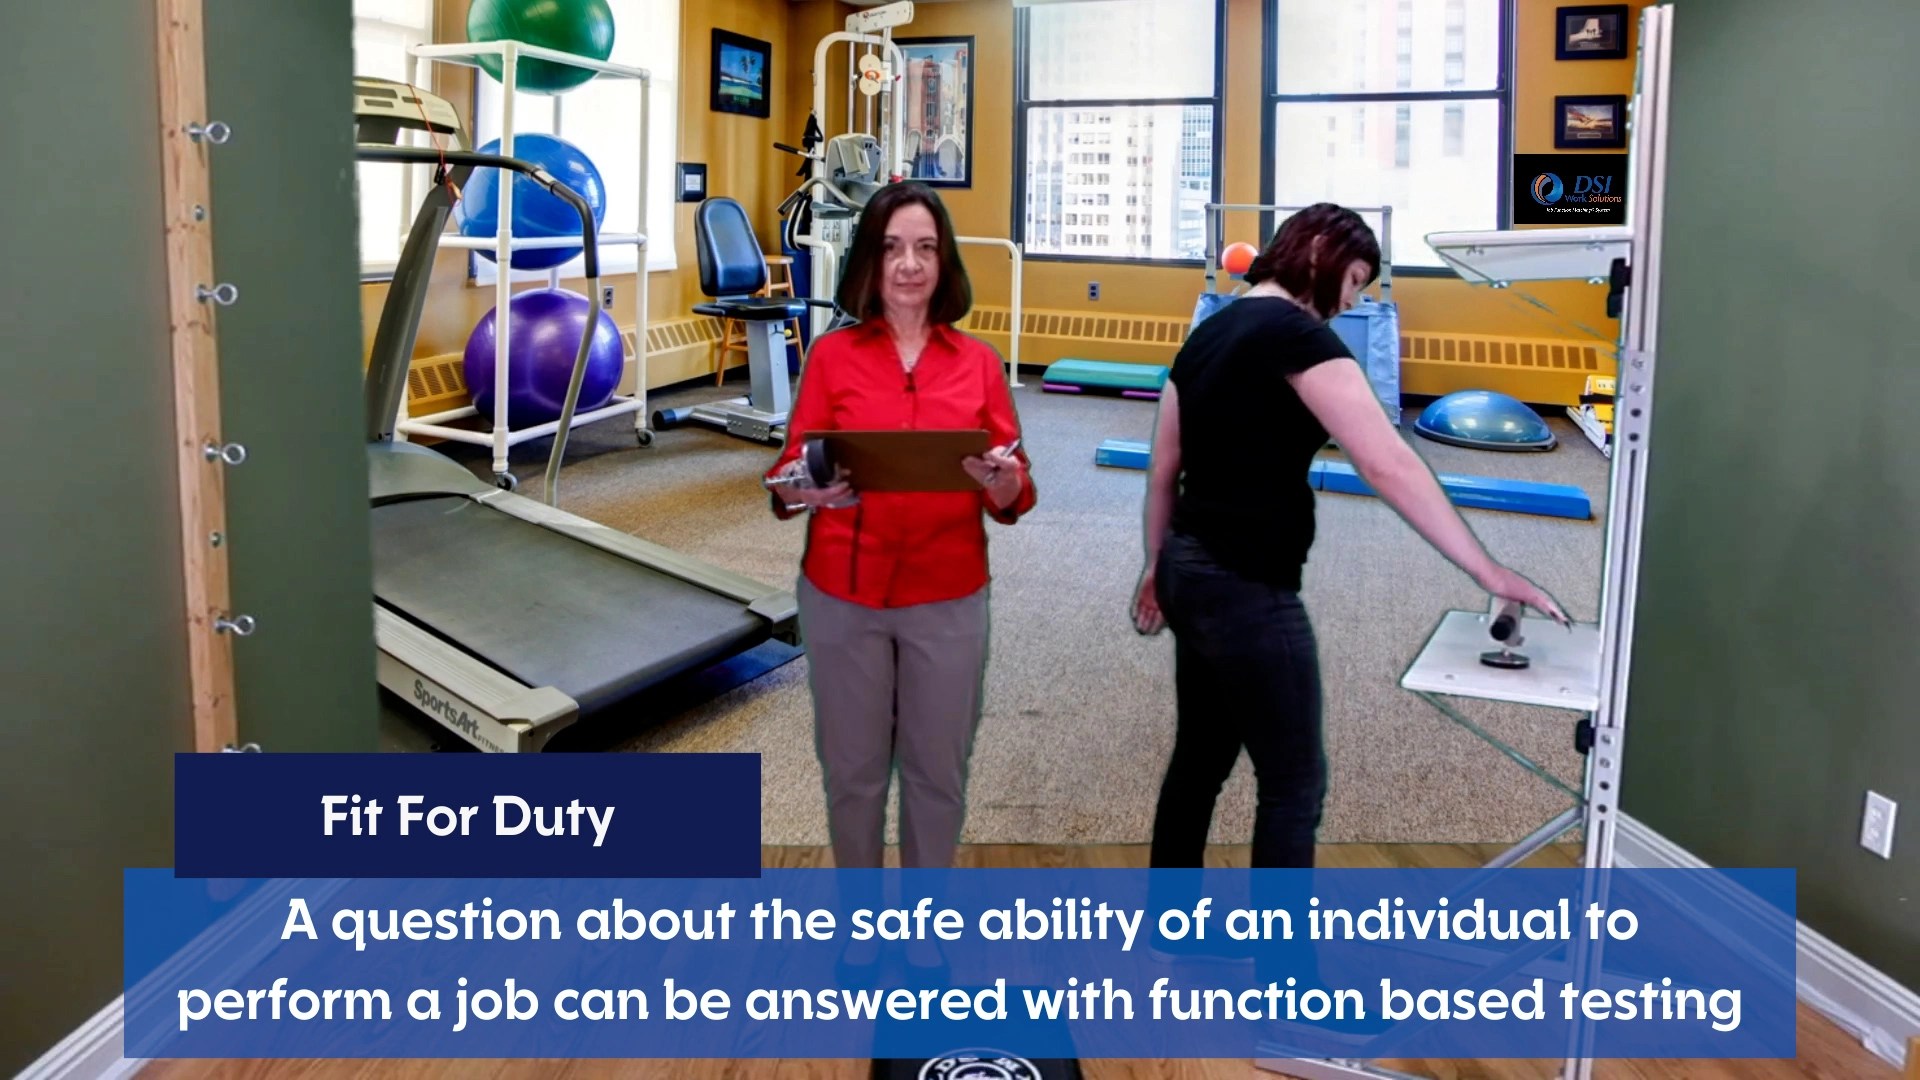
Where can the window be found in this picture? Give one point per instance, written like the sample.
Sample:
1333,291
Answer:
1432,77
383,31
1142,74
600,118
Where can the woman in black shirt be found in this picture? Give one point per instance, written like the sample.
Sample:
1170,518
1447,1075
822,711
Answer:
1255,393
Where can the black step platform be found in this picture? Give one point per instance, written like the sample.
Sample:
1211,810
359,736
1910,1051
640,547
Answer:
977,1064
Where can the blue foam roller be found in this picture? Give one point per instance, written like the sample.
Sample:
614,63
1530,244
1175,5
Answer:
1122,454
1479,492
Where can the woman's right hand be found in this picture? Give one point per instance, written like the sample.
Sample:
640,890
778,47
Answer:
1147,617
1508,585
818,498
792,485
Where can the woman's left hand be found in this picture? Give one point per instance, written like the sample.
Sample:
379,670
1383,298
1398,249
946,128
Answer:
1148,619
1000,472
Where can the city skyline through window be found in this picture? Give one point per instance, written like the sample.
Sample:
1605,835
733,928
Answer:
1118,111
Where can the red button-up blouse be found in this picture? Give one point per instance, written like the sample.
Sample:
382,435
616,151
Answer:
894,549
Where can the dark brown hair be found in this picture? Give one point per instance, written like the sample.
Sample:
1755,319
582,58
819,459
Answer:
1310,254
866,258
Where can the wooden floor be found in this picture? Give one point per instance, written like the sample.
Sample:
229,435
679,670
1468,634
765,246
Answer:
1826,1052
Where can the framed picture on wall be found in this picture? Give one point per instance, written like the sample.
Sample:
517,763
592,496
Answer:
1591,33
938,102
742,69
1593,122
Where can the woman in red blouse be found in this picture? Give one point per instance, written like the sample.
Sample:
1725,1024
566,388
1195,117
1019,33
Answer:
893,588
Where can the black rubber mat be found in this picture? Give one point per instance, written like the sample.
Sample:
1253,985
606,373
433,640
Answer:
983,1064
548,610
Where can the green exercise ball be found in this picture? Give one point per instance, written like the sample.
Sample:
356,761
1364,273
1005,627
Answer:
581,27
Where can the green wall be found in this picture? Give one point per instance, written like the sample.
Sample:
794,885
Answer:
94,627
285,231
1778,624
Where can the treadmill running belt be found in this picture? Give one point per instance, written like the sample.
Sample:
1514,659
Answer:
546,609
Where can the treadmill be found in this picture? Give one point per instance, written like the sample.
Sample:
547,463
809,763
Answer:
502,617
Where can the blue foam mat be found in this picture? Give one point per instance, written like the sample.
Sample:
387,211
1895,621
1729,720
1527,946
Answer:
1123,454
1479,492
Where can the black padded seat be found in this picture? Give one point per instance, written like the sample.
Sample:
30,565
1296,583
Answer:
754,308
732,267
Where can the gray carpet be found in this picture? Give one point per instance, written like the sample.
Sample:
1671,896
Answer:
1079,713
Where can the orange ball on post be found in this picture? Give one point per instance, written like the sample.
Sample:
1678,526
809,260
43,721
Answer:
1237,257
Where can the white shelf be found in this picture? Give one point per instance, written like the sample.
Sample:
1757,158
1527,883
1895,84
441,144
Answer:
518,243
499,437
434,426
469,54
1565,673
1504,256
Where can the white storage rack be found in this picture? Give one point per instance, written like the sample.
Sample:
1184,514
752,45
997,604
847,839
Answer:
502,438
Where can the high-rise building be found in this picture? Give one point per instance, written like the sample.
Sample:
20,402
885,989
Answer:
936,95
1118,181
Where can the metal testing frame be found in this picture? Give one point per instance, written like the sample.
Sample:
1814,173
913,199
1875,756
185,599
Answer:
501,438
1585,670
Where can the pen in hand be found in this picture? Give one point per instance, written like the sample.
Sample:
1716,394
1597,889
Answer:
1010,448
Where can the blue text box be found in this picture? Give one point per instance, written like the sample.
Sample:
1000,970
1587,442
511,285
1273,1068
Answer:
1043,963
467,815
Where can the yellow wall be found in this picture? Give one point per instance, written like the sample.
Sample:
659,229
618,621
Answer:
1426,303
742,163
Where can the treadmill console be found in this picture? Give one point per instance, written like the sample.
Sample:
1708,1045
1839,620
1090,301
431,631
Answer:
383,108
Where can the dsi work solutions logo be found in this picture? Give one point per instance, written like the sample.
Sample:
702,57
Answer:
1567,189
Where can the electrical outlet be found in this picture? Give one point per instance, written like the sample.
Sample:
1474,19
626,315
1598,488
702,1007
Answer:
1093,290
1876,827
606,297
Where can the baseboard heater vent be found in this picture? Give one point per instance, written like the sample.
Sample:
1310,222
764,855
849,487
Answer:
1078,326
438,383
1544,371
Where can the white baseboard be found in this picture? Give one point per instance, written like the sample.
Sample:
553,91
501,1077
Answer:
91,1052
1866,1004
96,1050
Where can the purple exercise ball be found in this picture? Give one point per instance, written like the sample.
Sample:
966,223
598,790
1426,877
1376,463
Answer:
545,333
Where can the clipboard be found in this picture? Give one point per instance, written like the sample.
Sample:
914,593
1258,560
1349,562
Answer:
917,461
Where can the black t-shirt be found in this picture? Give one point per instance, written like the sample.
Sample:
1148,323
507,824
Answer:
1247,441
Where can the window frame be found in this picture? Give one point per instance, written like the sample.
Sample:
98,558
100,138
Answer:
1022,103
382,271
1501,93
481,272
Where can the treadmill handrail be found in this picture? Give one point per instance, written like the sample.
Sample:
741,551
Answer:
589,242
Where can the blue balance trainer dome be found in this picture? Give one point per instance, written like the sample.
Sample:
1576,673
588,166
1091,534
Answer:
1484,420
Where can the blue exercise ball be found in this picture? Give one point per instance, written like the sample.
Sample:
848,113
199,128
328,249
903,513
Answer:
1484,420
543,337
536,211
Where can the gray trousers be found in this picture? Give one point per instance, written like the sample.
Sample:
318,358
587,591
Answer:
894,685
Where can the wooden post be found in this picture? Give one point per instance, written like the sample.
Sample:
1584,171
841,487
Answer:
196,369
1913,1058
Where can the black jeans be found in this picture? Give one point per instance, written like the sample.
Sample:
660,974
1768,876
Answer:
1246,673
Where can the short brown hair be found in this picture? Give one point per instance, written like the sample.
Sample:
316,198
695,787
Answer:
860,286
1290,259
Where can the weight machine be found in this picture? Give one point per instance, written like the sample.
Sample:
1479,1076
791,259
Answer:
844,171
